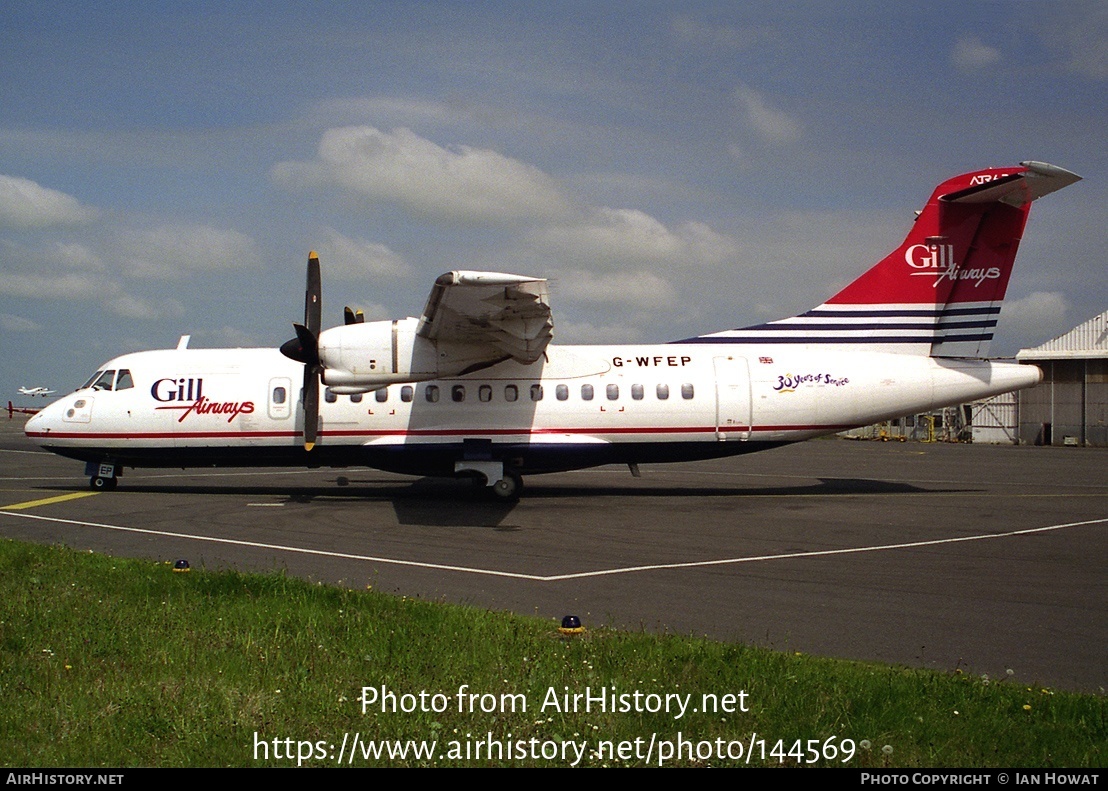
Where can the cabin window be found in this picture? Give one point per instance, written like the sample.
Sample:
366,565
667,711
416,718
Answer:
105,381
586,392
431,394
636,392
406,393
381,395
662,391
484,394
458,393
612,391
329,396
511,393
561,392
687,391
536,392
355,398
124,382
279,395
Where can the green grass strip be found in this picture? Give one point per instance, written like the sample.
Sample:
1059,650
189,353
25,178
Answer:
112,662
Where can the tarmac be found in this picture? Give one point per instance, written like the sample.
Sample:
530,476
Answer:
961,558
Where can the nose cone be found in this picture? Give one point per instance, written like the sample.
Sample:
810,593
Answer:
39,425
34,424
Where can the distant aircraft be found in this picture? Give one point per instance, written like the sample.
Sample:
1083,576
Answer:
36,391
474,387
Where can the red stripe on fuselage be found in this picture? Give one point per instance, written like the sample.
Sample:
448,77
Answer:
431,432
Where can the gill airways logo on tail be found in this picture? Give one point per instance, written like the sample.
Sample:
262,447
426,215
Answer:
937,260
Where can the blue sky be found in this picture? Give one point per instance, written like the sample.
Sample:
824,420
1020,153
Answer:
674,169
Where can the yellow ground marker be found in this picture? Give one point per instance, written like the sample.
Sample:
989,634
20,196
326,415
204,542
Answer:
61,498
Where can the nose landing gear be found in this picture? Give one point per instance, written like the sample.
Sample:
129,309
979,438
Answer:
102,476
101,484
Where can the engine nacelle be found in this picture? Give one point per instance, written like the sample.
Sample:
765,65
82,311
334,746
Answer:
358,358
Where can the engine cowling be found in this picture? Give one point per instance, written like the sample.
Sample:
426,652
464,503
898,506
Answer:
358,358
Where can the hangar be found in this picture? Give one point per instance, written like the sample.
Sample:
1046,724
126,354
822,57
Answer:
1070,406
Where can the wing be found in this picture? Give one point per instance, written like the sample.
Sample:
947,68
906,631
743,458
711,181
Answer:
507,315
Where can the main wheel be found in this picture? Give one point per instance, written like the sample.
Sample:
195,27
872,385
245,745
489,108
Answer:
102,484
509,487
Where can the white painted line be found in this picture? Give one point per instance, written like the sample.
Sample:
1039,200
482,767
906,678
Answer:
559,577
265,505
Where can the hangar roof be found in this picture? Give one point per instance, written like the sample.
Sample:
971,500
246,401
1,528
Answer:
1082,342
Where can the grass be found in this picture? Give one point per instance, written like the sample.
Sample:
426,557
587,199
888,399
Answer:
121,663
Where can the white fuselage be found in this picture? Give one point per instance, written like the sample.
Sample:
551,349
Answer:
577,407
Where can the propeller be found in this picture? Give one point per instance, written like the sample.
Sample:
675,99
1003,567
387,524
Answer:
304,348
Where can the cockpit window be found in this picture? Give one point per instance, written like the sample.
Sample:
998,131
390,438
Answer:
124,381
91,379
105,381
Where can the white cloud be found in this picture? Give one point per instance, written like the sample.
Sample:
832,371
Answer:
81,286
176,251
65,285
970,54
584,332
769,123
26,204
12,323
628,236
460,183
349,258
643,290
398,109
77,256
1040,315
130,306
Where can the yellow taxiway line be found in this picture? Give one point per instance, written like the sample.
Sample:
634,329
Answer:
61,498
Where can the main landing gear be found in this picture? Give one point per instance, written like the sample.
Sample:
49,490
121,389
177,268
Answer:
505,484
509,487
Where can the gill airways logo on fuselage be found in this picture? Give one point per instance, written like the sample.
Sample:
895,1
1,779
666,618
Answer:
937,260
187,395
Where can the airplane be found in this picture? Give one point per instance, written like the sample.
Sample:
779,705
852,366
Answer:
474,387
36,391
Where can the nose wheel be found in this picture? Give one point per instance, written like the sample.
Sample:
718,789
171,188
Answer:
101,483
509,487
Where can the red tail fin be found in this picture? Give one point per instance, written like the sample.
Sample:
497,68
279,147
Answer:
940,291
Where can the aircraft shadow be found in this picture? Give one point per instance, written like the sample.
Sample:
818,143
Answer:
458,503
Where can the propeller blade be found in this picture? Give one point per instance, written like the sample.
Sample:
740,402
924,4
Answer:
311,405
304,348
313,296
